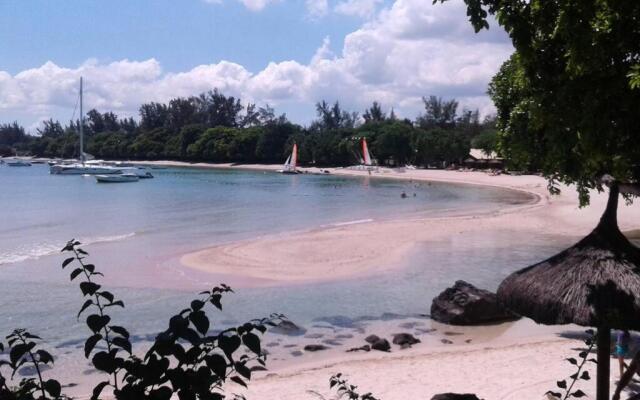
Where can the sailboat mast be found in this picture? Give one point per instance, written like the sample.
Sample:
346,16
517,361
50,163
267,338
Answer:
81,126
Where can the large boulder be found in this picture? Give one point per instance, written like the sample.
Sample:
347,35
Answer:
465,304
455,396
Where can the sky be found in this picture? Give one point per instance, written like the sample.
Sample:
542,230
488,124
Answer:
289,54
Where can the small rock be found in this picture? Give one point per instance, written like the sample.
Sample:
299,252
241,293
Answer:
332,342
405,339
381,345
453,333
366,347
468,341
371,339
296,353
315,347
344,336
314,336
286,327
410,325
272,344
446,341
455,396
288,346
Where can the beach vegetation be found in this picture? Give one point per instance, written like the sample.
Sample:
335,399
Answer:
189,360
568,98
566,388
213,127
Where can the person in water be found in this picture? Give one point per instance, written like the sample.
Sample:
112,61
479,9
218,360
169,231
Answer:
622,349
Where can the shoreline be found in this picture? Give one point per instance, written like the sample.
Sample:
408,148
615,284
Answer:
349,251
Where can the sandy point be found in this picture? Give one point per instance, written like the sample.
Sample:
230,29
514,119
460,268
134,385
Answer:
374,247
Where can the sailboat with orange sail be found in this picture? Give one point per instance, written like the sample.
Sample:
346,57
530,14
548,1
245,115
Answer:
290,166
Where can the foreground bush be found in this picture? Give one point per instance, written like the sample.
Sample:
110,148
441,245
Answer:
186,360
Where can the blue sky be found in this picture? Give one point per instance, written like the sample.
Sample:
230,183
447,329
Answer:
288,53
179,34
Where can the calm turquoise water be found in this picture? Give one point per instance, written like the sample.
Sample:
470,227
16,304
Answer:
136,232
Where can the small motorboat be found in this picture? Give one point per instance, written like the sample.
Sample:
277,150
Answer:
140,172
117,178
18,162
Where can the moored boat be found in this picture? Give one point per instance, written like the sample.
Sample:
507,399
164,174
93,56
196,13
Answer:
140,172
290,165
83,167
18,162
118,178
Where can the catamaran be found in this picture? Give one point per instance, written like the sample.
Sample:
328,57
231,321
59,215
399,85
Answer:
289,166
82,167
366,161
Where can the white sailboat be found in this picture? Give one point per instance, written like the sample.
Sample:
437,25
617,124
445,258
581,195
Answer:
290,165
82,168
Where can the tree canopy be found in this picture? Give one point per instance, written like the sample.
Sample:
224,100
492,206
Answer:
213,127
568,99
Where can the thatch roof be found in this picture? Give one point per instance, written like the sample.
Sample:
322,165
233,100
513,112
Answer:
596,282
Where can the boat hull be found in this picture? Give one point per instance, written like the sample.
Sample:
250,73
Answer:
61,169
116,178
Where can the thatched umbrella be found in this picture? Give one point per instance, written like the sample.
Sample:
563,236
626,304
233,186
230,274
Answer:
594,283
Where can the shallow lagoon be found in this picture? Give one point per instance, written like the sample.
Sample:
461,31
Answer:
136,233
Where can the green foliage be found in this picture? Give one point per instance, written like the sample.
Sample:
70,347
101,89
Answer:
215,128
11,134
487,141
568,99
23,351
581,373
186,360
347,390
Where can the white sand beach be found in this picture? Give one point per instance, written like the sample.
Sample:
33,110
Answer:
338,252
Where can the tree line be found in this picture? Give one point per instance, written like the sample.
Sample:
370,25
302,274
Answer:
213,127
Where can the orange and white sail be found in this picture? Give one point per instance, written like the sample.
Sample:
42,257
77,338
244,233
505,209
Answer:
294,156
366,156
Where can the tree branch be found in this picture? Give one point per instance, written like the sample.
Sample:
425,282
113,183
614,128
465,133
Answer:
628,188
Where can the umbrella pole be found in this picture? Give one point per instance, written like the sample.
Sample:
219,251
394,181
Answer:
604,358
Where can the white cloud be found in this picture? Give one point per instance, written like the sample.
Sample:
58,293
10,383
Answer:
317,8
253,5
358,8
408,50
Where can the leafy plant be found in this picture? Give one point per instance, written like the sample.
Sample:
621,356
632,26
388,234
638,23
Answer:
580,374
24,352
347,390
185,359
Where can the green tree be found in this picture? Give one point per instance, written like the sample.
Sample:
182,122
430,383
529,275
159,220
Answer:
374,114
577,64
11,134
487,141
